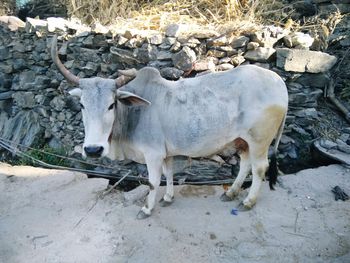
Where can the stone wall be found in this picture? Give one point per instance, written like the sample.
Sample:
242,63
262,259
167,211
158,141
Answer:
35,107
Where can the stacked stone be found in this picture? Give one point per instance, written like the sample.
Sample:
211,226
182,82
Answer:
33,100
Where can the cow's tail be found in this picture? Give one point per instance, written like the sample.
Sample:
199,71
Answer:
273,170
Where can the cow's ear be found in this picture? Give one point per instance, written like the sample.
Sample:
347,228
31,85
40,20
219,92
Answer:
75,92
131,99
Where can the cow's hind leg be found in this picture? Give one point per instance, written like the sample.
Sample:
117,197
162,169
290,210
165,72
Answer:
154,167
168,173
244,169
259,166
261,136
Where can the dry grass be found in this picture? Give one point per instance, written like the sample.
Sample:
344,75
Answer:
7,7
156,14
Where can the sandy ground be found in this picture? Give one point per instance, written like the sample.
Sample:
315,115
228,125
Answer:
56,216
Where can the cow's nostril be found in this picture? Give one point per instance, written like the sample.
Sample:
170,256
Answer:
93,151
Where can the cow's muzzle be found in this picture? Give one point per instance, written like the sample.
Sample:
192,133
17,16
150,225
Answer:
93,151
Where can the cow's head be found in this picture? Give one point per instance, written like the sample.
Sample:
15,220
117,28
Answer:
99,98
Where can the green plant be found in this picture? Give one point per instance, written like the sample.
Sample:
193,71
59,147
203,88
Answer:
345,92
45,154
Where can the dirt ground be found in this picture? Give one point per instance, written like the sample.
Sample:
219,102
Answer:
56,216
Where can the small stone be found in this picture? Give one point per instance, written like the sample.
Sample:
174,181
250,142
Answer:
204,64
134,42
4,53
91,67
287,40
24,99
146,53
61,116
346,130
174,30
237,60
164,55
184,59
57,103
328,144
344,137
171,73
261,54
169,41
176,47
6,68
342,146
155,39
225,60
217,42
224,67
160,64
303,41
240,41
204,33
122,40
262,65
99,28
268,36
286,139
216,53
63,49
191,42
252,45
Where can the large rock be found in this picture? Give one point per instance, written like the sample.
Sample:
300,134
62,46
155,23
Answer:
146,53
123,56
56,24
261,54
23,128
304,60
33,25
24,99
184,59
4,53
12,22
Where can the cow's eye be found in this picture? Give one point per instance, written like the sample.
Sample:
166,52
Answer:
82,106
111,106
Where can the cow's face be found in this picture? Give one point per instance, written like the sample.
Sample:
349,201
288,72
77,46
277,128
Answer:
99,99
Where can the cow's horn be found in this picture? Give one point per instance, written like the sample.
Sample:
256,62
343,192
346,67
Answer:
126,76
122,80
65,72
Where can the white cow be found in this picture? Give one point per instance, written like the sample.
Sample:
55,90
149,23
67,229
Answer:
150,120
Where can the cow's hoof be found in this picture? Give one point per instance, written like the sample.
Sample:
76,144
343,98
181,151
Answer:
164,203
225,198
242,207
142,215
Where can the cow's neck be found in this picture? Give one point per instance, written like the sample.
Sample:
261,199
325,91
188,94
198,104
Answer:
119,131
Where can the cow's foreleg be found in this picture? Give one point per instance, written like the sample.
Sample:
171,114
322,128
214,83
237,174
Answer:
244,169
154,167
168,173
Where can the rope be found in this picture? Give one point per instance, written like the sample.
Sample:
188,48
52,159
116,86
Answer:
10,146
